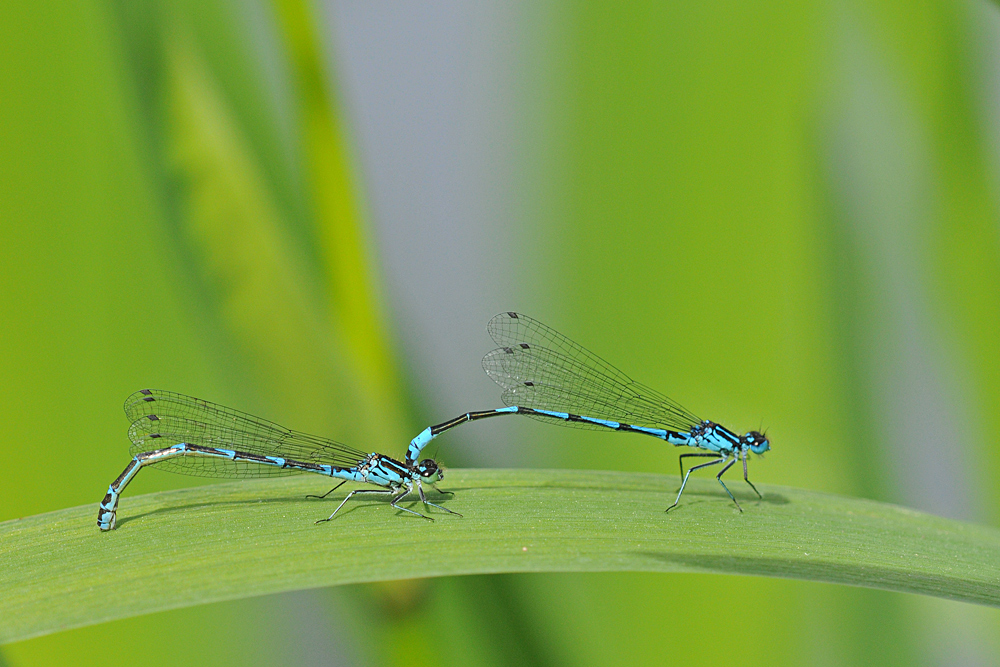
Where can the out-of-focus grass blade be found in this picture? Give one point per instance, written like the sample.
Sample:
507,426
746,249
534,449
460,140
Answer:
229,541
240,243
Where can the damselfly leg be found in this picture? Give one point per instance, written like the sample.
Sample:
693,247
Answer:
328,492
348,497
688,474
745,479
719,477
427,502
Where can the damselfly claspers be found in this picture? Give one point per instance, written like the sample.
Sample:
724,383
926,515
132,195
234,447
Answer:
549,377
194,437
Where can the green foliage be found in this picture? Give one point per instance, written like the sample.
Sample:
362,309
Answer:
227,541
744,206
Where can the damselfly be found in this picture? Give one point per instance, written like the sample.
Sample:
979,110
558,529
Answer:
549,377
194,437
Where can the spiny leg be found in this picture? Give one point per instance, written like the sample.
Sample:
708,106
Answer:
680,459
402,495
691,470
348,497
719,477
420,488
745,476
328,492
442,492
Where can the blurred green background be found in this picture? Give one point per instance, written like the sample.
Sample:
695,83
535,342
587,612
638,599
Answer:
777,213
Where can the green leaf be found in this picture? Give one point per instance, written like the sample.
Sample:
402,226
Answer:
235,540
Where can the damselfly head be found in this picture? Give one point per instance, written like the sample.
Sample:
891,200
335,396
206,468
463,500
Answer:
428,468
757,442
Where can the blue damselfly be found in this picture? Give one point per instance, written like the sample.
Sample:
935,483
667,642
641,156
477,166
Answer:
547,376
195,437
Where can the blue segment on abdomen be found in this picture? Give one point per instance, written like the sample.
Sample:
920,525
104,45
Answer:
601,422
112,499
350,474
418,443
656,432
549,413
128,476
681,439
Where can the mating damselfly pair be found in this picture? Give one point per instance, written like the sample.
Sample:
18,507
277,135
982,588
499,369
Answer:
544,375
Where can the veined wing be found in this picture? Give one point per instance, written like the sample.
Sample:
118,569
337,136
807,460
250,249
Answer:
540,368
163,418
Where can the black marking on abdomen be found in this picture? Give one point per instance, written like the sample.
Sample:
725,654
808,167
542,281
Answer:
133,463
312,467
461,419
250,457
257,458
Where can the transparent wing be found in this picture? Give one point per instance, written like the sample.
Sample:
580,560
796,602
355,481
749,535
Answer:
540,368
162,418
